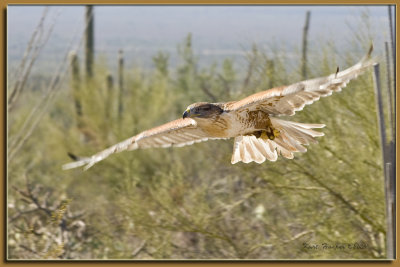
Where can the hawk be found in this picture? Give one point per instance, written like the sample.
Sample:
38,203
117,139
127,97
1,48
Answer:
258,134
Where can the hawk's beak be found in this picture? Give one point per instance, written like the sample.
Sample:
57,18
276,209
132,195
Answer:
186,113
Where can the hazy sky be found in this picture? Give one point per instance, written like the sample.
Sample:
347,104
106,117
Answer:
217,30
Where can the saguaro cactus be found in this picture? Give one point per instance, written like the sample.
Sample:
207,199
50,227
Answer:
120,84
75,81
89,42
109,98
305,36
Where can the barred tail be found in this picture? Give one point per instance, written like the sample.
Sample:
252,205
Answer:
291,137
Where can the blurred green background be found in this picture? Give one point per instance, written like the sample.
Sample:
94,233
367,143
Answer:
189,202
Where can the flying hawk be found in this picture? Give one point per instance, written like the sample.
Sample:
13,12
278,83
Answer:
252,121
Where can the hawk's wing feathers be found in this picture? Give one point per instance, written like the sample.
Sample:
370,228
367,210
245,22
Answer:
179,132
286,100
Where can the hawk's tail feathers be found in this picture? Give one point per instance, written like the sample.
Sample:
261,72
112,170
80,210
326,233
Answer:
128,144
291,137
249,148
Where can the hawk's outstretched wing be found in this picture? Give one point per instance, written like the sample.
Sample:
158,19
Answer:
286,100
178,133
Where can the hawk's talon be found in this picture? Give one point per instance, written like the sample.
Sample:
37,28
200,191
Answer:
276,132
270,134
264,135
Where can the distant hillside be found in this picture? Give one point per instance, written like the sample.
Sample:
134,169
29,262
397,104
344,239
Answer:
218,31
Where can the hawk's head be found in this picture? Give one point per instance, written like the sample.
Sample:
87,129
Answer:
202,110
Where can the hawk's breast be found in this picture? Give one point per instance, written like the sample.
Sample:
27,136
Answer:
232,124
217,126
247,121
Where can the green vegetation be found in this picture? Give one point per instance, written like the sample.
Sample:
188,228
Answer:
190,202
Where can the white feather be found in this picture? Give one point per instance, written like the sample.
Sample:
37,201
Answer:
291,137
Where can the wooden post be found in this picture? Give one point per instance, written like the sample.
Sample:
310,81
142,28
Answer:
109,98
392,43
75,82
390,95
387,168
304,57
89,42
120,84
